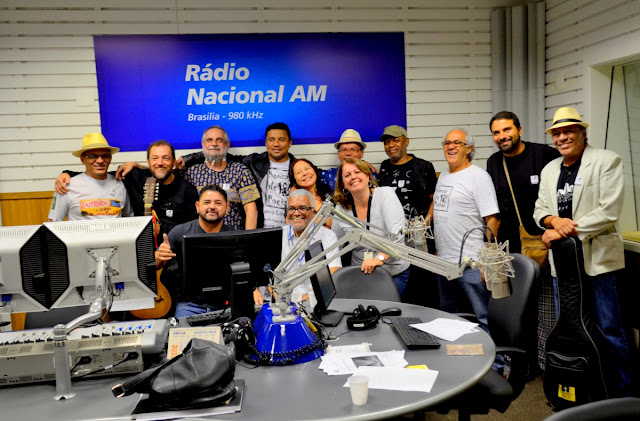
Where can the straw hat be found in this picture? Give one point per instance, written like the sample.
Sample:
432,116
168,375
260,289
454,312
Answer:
350,136
94,141
566,116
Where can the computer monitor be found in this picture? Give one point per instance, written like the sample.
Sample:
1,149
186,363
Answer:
323,288
127,246
24,272
224,267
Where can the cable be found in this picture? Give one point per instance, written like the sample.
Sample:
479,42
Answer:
128,356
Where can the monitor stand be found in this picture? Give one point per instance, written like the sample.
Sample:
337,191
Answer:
330,317
242,291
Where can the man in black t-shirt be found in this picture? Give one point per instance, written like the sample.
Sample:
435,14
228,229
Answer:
415,181
524,161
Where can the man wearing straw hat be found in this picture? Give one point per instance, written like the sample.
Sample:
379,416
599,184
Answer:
350,145
93,194
581,195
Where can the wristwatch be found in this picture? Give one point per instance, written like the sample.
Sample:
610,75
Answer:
381,258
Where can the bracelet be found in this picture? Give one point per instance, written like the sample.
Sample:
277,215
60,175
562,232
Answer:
551,220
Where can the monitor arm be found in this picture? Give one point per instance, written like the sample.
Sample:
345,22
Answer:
286,280
60,331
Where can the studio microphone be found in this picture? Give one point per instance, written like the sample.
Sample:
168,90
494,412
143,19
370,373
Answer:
417,230
495,263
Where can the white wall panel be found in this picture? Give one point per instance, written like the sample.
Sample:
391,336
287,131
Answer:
573,27
48,86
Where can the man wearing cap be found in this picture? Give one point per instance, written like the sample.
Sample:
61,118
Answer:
93,194
581,195
524,162
414,180
350,145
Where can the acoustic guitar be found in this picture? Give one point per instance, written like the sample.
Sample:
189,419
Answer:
162,303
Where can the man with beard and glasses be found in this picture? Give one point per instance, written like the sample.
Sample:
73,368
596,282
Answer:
174,199
212,206
524,161
234,177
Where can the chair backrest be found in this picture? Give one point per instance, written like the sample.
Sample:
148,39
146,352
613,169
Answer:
512,320
46,319
610,409
351,282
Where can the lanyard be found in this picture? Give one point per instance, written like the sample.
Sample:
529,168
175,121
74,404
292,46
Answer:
355,212
291,243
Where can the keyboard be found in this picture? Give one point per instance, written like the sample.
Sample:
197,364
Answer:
213,317
412,338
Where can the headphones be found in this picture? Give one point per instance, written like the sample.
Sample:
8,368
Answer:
362,319
240,332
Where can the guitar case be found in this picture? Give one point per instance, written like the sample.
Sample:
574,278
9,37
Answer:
576,364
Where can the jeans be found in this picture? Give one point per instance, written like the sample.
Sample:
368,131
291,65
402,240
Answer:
184,309
609,318
401,280
457,294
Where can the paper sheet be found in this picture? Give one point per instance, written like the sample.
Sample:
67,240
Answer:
398,378
447,329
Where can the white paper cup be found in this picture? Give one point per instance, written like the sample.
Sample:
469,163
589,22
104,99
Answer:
359,386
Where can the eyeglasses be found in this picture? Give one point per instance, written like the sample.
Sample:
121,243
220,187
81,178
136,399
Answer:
94,156
351,150
301,209
456,143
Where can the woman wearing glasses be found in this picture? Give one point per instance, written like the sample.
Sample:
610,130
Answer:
304,175
357,195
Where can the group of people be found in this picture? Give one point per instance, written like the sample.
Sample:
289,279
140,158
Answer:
572,190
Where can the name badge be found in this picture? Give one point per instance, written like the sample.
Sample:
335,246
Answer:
368,255
535,179
169,213
226,186
578,181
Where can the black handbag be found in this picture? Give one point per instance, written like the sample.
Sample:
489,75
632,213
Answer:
199,377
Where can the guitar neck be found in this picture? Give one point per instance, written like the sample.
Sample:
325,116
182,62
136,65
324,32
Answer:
147,209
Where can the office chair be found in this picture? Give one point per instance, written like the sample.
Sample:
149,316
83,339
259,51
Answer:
620,409
351,282
512,325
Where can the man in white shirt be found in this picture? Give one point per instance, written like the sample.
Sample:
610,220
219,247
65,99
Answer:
94,194
464,199
300,212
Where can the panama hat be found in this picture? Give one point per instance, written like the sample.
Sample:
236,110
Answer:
94,141
350,136
566,116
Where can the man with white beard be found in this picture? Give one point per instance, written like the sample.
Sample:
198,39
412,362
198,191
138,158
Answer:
234,178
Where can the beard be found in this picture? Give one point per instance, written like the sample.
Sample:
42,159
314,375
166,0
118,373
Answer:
220,157
211,217
504,148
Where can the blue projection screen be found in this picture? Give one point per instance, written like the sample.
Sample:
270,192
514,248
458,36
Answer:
175,86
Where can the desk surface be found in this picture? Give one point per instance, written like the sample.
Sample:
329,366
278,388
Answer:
295,392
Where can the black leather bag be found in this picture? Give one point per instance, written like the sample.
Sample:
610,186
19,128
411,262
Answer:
201,376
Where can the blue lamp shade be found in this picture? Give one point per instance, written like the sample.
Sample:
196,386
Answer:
286,341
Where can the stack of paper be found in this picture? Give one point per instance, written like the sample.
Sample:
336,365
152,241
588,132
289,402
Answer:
338,363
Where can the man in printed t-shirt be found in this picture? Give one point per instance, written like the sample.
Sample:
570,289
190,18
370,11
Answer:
93,194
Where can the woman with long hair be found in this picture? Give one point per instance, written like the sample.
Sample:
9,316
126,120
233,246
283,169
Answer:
304,175
358,194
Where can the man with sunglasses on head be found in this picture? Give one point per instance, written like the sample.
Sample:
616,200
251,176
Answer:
93,194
